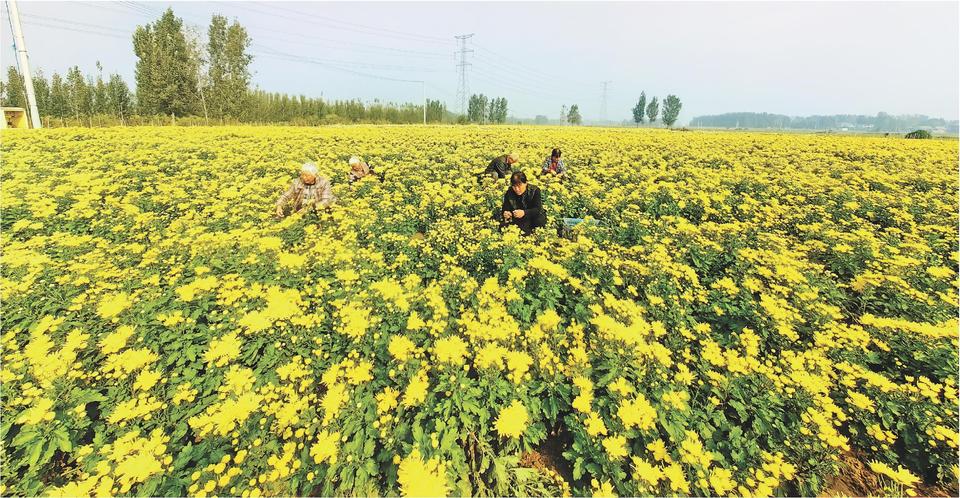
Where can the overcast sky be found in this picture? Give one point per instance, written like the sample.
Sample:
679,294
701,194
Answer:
790,58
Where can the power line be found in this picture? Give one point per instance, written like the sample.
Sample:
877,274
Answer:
337,65
446,92
463,86
423,83
526,85
77,30
525,68
509,85
259,31
102,28
297,58
363,26
351,46
499,67
603,101
337,25
76,23
386,67
137,6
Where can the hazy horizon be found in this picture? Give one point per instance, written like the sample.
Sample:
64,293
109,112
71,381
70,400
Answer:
797,59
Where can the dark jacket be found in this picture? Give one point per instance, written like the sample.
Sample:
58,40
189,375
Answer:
499,166
531,203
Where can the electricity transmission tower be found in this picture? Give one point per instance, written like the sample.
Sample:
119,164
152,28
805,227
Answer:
603,101
563,115
463,87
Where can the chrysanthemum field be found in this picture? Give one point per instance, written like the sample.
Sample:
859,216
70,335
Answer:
752,313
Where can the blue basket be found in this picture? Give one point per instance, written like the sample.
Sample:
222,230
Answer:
567,224
572,222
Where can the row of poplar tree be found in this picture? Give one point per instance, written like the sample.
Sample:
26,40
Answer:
485,110
182,78
671,109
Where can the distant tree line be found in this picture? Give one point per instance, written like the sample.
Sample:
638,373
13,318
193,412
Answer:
485,110
881,122
181,78
86,100
650,110
75,97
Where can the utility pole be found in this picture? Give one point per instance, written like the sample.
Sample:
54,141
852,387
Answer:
423,90
14,14
603,101
463,87
563,115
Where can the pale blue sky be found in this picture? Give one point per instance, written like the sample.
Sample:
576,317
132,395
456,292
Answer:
791,58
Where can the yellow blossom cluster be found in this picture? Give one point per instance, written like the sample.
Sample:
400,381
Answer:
749,309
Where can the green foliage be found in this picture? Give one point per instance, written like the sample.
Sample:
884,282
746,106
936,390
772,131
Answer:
41,90
574,116
166,71
485,110
229,67
639,109
15,94
921,134
671,109
653,108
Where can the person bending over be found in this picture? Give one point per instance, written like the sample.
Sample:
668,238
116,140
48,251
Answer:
309,190
522,205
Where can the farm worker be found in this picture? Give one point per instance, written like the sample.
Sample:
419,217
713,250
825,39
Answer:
310,189
358,169
553,164
523,205
502,165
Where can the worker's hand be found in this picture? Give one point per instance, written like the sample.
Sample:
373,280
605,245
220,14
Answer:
518,213
507,215
279,212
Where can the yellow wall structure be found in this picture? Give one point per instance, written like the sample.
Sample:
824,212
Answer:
14,117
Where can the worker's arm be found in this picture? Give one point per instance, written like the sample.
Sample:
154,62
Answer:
501,167
536,205
505,210
287,196
326,193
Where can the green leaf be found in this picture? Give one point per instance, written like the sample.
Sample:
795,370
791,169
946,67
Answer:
184,457
63,439
24,437
149,487
34,454
89,397
740,408
368,448
578,468
449,439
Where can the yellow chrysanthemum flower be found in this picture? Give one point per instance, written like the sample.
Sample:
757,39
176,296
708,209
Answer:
512,420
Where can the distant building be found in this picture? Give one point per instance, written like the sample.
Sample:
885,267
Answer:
14,117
